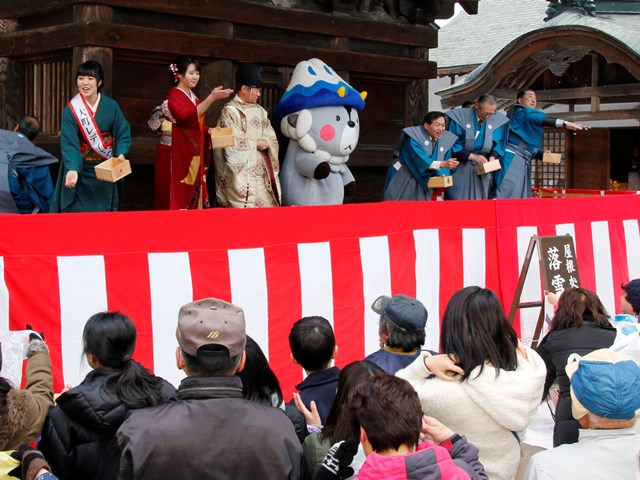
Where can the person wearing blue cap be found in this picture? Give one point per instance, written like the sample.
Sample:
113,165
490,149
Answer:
401,331
605,394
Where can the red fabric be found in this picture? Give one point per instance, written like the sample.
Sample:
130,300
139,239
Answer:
188,139
162,178
29,262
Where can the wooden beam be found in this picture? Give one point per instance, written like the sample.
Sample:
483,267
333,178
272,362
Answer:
143,39
251,13
555,96
626,114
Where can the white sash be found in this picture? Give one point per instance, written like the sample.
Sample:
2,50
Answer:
88,126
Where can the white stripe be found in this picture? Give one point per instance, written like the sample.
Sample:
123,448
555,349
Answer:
83,293
632,240
248,277
170,287
376,281
4,299
427,244
531,291
316,283
567,229
602,264
474,262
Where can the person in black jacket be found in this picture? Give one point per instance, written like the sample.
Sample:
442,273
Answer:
580,325
211,431
78,438
260,384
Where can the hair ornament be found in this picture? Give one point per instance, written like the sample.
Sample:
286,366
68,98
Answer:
174,69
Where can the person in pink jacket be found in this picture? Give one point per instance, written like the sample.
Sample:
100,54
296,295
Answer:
388,411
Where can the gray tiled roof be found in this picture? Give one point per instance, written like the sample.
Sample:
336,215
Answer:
622,27
469,40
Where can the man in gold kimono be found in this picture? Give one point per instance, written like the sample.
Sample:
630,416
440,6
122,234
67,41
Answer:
247,173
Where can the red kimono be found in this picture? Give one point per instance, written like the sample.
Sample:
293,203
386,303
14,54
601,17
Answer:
183,165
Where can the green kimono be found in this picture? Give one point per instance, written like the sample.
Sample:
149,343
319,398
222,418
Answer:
90,194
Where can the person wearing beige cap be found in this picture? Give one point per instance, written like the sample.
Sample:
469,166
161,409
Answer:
211,431
605,395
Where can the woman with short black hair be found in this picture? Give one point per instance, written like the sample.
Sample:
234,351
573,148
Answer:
93,130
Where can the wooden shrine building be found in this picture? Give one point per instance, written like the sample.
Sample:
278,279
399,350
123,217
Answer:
379,46
583,61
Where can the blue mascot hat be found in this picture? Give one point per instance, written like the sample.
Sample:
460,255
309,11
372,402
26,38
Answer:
315,84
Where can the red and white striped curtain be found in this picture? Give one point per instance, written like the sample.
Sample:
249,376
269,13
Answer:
284,263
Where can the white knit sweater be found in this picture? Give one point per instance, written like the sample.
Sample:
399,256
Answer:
485,409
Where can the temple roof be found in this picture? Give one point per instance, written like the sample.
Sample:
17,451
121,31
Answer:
469,40
552,45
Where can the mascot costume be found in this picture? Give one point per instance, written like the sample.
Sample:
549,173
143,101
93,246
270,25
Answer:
319,113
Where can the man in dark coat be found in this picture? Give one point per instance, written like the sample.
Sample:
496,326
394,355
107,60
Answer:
25,180
211,431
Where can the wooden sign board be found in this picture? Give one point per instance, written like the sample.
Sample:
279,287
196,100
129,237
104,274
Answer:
558,263
559,270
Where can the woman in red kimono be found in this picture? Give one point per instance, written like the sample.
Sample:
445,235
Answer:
189,161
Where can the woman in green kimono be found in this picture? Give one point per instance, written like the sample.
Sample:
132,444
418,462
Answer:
93,130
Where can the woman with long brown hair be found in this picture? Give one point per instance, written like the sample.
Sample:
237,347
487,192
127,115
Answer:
580,325
495,390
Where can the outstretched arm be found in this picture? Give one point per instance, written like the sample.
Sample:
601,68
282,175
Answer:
217,93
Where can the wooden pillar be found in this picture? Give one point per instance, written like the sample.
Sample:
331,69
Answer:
417,94
219,72
93,13
11,83
341,44
595,77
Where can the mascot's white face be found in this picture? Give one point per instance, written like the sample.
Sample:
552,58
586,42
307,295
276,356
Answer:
333,130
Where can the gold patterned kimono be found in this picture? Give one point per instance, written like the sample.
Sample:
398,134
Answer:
242,179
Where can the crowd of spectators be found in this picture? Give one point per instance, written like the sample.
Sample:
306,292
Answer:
402,413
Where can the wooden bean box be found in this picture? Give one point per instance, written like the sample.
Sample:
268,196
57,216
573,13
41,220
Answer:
548,157
113,169
222,137
442,181
488,167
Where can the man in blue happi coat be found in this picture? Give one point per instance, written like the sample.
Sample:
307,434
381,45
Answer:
422,151
25,180
524,143
482,135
